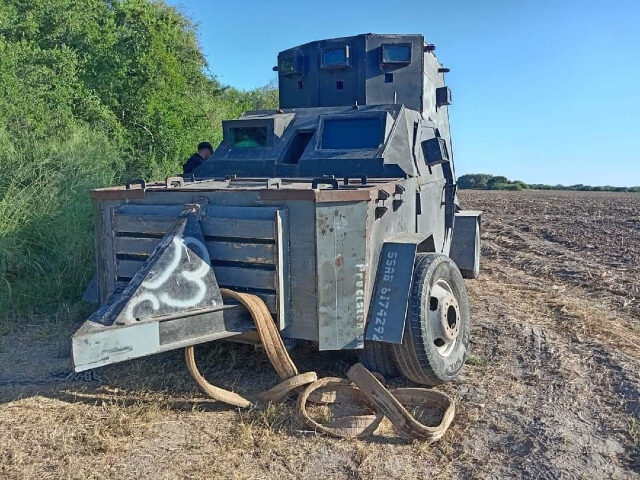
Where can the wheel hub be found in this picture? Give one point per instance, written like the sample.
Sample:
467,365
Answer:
444,317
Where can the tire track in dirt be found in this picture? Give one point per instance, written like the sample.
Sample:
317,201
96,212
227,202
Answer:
538,396
552,408
564,355
554,262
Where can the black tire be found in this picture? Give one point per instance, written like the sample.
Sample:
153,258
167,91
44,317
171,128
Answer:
417,357
378,357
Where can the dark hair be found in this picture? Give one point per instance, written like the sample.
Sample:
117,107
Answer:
203,145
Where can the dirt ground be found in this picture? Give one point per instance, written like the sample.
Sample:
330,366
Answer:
551,390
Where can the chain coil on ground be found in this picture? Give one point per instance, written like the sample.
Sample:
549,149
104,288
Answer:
362,388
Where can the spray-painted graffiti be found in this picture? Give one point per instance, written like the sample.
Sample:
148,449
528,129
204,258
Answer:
151,293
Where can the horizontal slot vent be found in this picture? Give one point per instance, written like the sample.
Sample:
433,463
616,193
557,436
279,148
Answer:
216,238
238,228
269,298
152,225
145,224
257,266
152,236
246,277
243,252
261,253
132,256
259,278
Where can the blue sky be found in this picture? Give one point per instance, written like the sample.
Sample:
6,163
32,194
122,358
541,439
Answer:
543,91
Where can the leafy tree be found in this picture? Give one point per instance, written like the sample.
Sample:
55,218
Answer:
483,181
91,92
497,183
138,74
474,180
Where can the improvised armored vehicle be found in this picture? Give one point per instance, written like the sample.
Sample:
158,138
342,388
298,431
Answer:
339,210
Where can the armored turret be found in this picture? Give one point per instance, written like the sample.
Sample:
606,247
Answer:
373,105
366,69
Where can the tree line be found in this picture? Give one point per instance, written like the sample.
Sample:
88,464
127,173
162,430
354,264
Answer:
92,92
484,181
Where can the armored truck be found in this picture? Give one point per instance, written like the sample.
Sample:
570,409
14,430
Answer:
339,210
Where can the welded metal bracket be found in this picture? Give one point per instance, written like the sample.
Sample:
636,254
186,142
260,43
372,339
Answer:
172,301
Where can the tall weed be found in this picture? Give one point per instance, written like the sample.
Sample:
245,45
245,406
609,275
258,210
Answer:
46,244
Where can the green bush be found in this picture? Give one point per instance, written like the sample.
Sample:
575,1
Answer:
512,187
474,180
483,181
497,183
46,217
92,92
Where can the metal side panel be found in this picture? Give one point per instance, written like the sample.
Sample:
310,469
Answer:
465,246
95,345
431,219
105,267
299,257
341,244
282,270
248,246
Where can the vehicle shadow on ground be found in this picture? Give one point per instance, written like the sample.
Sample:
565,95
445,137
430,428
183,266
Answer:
164,381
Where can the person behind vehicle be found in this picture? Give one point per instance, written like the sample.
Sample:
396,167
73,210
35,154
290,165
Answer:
204,152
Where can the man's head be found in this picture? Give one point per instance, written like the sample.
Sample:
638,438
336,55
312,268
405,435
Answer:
205,150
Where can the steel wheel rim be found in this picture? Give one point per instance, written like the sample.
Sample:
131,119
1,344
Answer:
443,317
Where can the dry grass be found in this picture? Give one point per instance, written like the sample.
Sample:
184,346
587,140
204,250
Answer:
40,434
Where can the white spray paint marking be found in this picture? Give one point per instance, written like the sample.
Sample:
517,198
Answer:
145,297
195,276
159,279
201,246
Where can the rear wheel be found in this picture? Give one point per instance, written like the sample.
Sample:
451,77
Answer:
378,357
436,334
